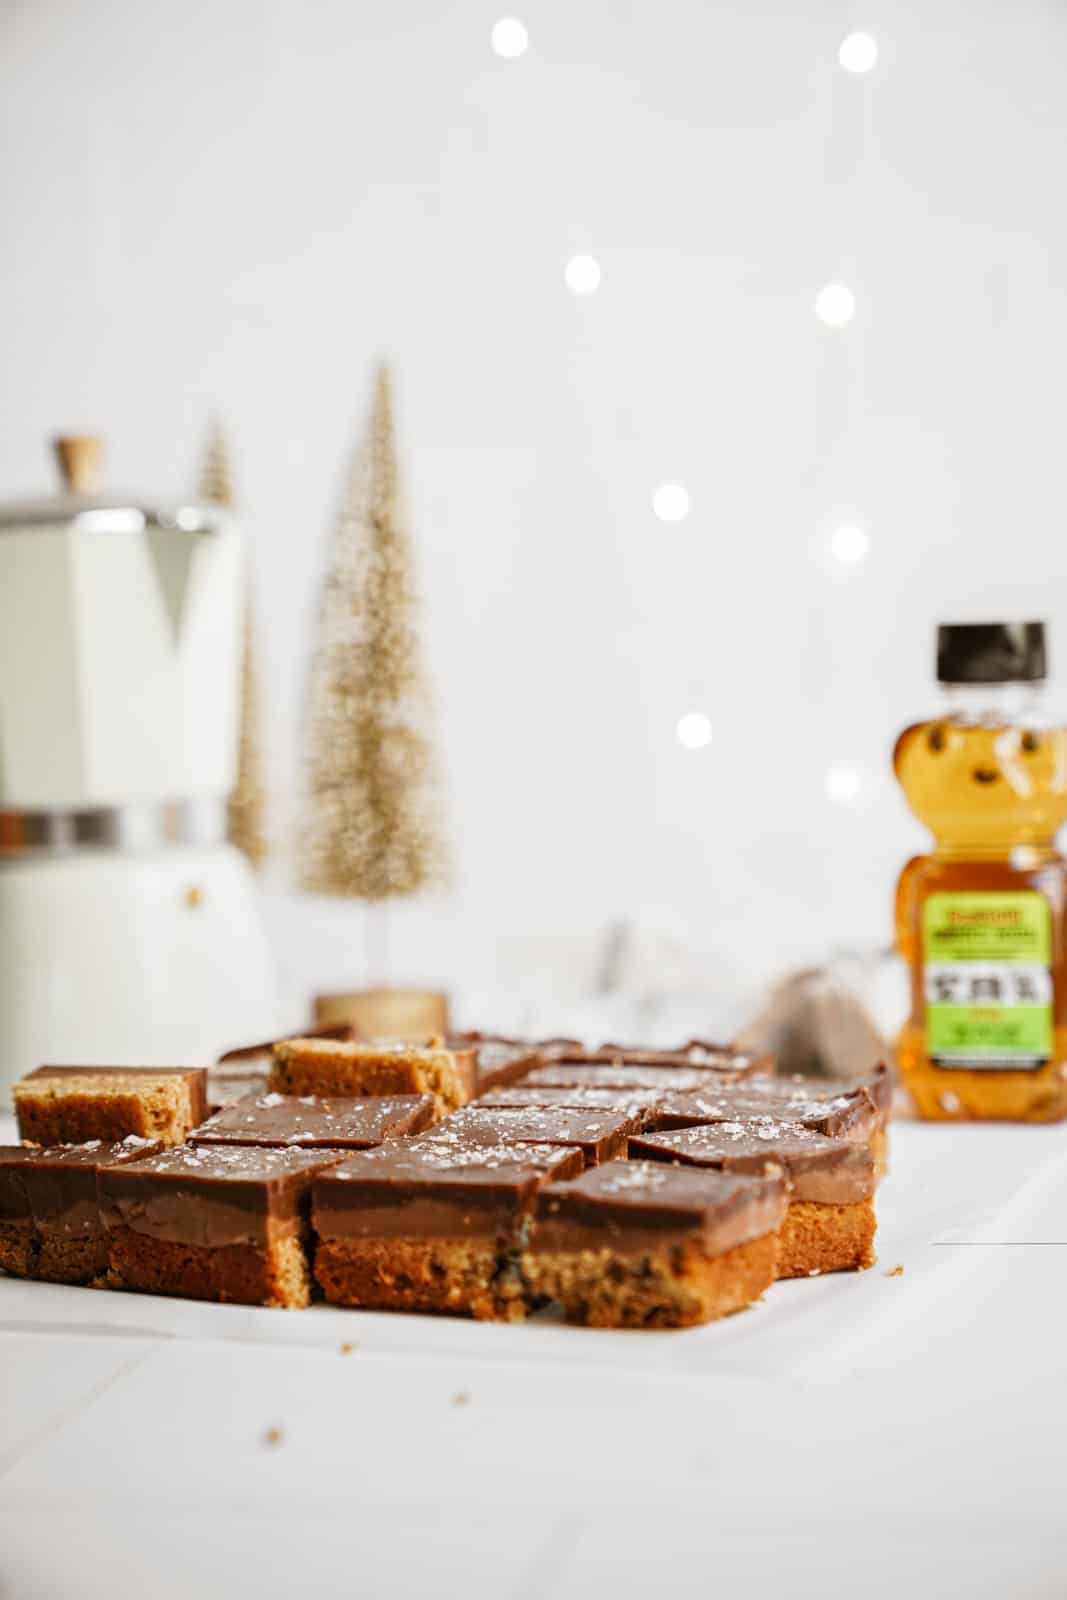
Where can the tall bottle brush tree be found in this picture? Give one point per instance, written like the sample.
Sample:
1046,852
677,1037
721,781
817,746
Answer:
372,828
246,807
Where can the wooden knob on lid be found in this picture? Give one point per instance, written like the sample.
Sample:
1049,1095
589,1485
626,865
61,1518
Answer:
80,457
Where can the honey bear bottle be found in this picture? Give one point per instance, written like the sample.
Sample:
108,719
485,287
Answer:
981,918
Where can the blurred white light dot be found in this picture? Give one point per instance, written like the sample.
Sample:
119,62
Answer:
858,52
835,304
842,784
582,274
670,502
693,730
509,37
849,543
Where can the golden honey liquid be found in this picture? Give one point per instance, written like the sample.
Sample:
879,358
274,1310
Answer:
994,795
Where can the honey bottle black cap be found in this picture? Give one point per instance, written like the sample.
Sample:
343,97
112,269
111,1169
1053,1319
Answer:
991,652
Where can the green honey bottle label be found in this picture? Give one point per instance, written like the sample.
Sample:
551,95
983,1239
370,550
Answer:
987,979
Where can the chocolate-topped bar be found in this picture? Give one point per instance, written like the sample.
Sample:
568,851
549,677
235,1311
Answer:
601,1135
214,1222
621,1075
498,1060
639,1103
68,1105
313,1122
830,1225
851,1116
722,1058
640,1244
421,1225
329,1067
66,1235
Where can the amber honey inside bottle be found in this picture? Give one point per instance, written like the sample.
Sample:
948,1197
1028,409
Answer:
981,918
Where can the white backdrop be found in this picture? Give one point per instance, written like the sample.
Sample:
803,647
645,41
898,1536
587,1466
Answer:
239,205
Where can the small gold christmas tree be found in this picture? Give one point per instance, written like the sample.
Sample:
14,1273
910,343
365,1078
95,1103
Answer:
372,828
247,803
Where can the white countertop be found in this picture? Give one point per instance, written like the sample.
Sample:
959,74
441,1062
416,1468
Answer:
866,1433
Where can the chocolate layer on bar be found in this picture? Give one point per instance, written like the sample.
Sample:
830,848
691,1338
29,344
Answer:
633,1206
638,1103
825,1171
313,1122
213,1195
62,1181
621,1075
697,1053
844,1116
419,1188
600,1135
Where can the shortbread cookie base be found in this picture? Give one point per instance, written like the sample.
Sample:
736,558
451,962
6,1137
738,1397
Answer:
457,1277
18,1249
72,1260
245,1274
676,1286
107,1111
826,1238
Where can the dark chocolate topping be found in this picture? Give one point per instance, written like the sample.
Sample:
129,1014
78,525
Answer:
315,1122
212,1194
413,1187
631,1102
622,1075
826,1171
600,1134
851,1114
633,1200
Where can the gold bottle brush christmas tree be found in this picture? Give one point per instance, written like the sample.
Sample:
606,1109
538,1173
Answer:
981,918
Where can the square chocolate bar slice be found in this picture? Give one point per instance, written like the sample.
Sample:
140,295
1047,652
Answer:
600,1135
332,1067
638,1103
622,1075
736,1064
214,1222
851,1115
68,1105
69,1240
830,1224
312,1122
421,1226
497,1060
639,1244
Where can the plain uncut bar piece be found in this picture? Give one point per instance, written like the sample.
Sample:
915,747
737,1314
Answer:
68,1105
63,1238
244,1069
214,1223
639,1244
331,1067
417,1226
599,1134
830,1224
312,1122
